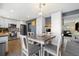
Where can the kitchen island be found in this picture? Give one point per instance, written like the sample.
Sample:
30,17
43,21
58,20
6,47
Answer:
4,41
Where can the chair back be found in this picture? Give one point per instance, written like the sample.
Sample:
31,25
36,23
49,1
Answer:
30,33
48,33
57,42
24,43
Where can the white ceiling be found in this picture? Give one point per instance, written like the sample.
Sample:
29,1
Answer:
21,11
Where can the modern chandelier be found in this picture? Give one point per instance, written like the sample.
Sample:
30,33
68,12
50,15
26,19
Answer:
41,5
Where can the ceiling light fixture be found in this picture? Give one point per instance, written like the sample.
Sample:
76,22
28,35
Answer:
41,5
11,10
28,17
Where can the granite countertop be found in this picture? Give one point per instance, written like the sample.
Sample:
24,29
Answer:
3,34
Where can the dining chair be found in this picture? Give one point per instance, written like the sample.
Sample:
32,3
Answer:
48,33
29,49
30,34
66,40
52,49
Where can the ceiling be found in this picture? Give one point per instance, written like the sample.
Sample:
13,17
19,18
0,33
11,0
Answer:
23,11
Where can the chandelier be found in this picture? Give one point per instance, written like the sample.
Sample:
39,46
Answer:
41,5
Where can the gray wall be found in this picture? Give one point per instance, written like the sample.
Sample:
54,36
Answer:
33,28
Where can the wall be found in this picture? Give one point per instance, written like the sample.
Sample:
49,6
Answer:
33,28
33,25
48,21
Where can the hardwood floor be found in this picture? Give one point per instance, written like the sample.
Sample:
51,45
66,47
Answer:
14,48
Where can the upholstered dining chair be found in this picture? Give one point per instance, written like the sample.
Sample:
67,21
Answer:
53,49
30,34
29,49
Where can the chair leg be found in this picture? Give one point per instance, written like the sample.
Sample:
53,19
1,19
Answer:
21,53
59,53
47,54
24,54
39,53
43,52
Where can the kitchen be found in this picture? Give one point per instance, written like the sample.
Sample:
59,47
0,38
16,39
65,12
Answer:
6,31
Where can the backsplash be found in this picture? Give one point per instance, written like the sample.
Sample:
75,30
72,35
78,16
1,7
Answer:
4,30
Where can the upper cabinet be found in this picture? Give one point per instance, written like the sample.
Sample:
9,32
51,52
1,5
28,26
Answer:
5,22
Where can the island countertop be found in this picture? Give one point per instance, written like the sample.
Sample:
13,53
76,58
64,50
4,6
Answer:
3,37
4,40
3,34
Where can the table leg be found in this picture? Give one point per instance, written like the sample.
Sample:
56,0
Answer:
42,50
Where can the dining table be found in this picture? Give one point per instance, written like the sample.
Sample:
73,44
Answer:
41,40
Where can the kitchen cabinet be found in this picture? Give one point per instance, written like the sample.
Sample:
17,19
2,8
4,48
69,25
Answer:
3,23
3,44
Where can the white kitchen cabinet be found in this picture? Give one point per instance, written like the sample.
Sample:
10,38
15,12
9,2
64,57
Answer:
4,39
3,23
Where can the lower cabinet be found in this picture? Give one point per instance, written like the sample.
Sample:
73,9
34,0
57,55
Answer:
3,45
2,49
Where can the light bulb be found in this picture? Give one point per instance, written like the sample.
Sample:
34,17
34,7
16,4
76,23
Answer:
11,10
40,13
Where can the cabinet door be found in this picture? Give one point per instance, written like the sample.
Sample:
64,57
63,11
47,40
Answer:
6,23
3,23
4,39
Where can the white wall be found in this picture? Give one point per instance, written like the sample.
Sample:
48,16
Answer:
71,18
40,23
56,26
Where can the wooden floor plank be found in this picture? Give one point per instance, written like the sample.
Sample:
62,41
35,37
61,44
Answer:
14,48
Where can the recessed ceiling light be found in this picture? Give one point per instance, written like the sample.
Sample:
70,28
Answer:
8,16
28,17
11,10
40,13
